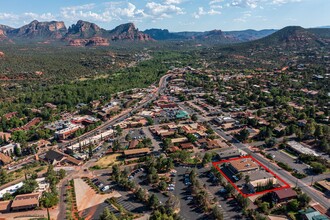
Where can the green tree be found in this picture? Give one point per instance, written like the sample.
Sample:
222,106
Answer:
7,196
318,131
304,199
28,186
153,201
49,199
264,207
19,136
217,213
116,145
247,179
293,205
119,130
318,167
244,202
191,138
162,185
17,151
194,117
229,189
207,158
243,135
107,215
61,173
167,143
3,176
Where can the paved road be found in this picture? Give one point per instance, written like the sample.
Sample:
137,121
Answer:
155,143
122,116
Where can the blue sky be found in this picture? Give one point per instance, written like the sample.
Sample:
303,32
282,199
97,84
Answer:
175,15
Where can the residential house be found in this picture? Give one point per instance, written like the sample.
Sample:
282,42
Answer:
182,115
4,159
133,144
283,195
312,214
187,146
179,140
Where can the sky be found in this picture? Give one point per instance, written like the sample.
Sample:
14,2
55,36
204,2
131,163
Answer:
174,15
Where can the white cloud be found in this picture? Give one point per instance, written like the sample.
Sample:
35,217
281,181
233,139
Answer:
257,3
172,2
8,16
215,2
202,12
160,11
244,17
281,2
245,3
27,17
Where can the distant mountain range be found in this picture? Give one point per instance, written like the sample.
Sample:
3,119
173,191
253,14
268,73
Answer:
234,36
84,33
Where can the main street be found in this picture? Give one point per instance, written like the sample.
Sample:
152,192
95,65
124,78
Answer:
125,114
316,196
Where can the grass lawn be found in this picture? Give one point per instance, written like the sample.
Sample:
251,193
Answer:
20,172
106,161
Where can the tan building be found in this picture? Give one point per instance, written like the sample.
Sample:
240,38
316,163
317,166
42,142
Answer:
242,165
25,202
136,152
5,206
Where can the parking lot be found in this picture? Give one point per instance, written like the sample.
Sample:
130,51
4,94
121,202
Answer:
137,133
288,159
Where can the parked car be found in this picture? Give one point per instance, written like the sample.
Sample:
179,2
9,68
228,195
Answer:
223,190
105,188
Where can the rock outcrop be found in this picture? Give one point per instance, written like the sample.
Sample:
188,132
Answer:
39,30
84,29
128,32
95,41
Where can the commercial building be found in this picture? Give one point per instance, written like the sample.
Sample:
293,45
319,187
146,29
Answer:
9,148
5,206
56,157
229,153
68,130
301,149
25,202
136,152
242,165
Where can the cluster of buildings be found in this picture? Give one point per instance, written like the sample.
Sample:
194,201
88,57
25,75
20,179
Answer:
22,202
65,128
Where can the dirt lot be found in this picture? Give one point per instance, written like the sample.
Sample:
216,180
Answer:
106,161
87,197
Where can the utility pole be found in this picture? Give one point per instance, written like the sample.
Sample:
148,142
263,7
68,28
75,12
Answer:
312,181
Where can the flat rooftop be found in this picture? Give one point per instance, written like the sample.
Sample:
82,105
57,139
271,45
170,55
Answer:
301,148
244,164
